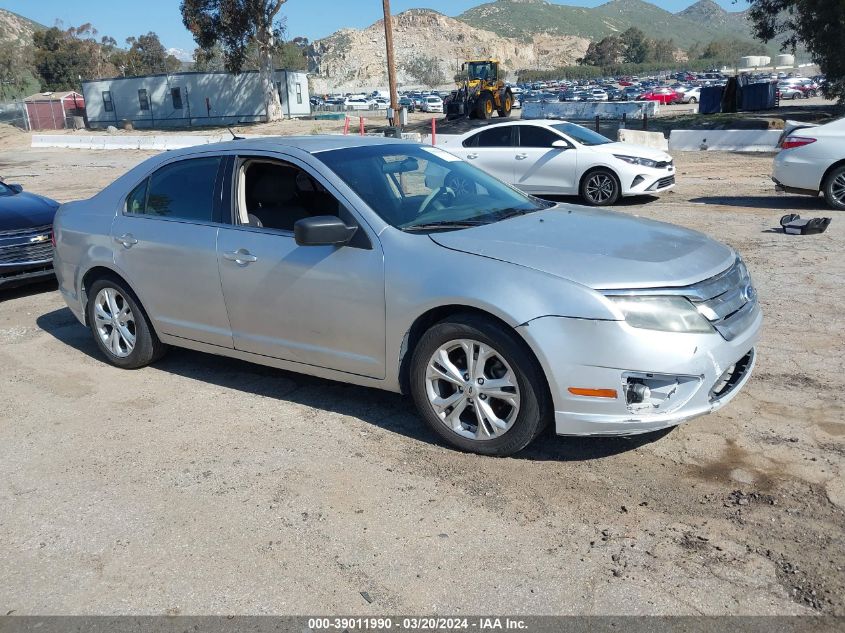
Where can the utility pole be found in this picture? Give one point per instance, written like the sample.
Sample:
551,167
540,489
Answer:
391,62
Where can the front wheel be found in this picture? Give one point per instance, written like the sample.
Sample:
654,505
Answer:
834,188
478,387
600,188
693,100
485,106
120,327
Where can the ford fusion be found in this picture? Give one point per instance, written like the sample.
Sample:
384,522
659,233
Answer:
389,264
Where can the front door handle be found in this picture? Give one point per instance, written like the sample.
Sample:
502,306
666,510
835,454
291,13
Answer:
127,239
472,156
241,257
521,156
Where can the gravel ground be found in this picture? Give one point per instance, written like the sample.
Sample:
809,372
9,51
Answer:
205,485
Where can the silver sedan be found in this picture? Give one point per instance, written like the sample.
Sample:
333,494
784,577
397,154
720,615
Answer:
395,265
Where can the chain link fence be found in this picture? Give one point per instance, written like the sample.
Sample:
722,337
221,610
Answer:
14,113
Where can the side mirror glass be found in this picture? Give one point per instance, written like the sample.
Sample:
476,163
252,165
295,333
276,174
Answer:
15,188
322,230
561,144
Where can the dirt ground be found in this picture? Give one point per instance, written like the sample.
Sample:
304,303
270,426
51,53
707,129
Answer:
205,485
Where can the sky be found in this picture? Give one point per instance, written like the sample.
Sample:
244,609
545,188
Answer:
310,18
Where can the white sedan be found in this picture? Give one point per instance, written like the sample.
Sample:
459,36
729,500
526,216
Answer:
812,161
432,104
551,157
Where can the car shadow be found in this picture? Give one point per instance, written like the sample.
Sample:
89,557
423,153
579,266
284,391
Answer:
390,411
785,203
29,289
631,201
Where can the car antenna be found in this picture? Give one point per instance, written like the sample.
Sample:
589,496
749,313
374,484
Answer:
235,137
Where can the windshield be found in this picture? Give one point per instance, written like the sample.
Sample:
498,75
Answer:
481,70
413,187
581,134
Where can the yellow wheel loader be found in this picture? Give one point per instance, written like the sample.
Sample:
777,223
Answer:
482,92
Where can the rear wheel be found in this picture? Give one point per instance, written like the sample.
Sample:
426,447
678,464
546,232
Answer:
484,109
120,327
834,188
507,105
795,95
478,387
600,188
693,100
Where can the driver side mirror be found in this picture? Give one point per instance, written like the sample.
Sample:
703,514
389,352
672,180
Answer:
15,188
561,144
322,230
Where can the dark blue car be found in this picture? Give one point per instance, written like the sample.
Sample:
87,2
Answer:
26,226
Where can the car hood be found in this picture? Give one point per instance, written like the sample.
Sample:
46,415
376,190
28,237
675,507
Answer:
25,210
596,248
630,149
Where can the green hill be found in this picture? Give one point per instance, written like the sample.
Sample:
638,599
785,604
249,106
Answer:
700,23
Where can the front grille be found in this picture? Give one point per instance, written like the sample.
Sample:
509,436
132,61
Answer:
663,182
22,246
727,300
732,377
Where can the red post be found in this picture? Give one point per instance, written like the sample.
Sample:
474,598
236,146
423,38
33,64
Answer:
433,131
346,126
361,125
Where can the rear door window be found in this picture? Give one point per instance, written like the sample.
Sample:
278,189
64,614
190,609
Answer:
183,190
494,136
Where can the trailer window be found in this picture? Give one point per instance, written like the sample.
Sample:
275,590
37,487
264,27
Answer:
108,104
176,95
143,99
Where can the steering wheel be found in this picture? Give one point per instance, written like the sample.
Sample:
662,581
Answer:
435,196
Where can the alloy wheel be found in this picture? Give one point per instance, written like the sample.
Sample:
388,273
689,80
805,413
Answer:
472,389
115,322
600,188
837,189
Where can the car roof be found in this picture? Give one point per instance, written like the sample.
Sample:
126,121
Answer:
310,144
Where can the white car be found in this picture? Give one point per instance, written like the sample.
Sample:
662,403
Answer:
432,104
359,104
551,157
812,161
692,95
597,94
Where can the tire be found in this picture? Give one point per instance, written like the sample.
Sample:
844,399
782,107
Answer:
811,93
796,95
119,350
693,100
507,106
600,187
834,188
510,362
484,108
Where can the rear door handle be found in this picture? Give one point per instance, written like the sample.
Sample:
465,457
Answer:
521,156
241,257
127,239
472,156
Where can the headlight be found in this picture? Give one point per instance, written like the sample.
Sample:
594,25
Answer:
636,160
668,314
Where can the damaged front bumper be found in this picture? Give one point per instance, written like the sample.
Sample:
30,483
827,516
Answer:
661,379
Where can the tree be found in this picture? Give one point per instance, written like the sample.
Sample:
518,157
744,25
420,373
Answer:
663,51
16,72
815,24
730,50
63,59
604,52
147,56
234,25
636,46
426,70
